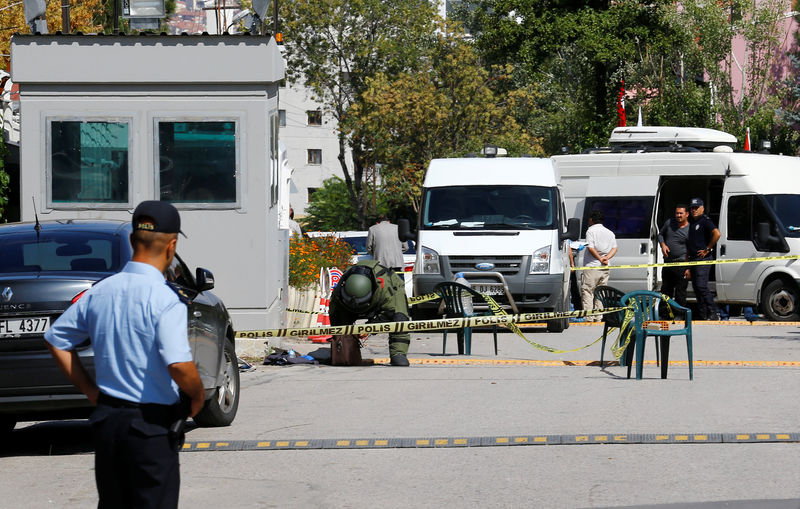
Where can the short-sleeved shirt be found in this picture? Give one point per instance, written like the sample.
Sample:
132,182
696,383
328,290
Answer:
602,240
138,327
700,233
674,237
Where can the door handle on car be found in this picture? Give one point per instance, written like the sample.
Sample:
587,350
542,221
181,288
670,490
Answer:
643,248
722,250
197,314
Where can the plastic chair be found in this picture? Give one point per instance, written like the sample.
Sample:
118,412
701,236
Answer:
645,307
451,293
609,297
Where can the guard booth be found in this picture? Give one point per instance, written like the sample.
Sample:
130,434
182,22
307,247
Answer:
109,121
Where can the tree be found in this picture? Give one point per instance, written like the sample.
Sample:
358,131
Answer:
449,106
675,59
330,208
334,46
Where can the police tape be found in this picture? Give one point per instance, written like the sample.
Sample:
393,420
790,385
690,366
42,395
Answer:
421,325
690,264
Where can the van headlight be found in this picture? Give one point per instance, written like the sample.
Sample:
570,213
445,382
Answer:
430,261
540,261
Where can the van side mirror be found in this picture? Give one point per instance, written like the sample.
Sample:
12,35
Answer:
573,229
765,241
404,232
205,279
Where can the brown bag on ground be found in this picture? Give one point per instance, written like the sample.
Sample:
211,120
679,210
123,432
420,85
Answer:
346,350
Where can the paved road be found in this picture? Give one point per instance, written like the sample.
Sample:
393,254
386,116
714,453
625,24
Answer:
496,402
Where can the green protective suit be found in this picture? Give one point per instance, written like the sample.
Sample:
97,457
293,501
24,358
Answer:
388,304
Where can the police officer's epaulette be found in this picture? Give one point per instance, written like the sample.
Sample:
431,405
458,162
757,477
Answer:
182,295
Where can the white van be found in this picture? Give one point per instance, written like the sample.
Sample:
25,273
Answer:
500,221
753,198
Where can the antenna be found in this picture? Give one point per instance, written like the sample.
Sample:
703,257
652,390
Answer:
38,226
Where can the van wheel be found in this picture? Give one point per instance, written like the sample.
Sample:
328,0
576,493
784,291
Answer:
780,301
221,409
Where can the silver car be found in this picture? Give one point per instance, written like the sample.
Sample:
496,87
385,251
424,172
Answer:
44,268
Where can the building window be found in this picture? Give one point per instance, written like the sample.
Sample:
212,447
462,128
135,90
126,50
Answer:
314,156
198,161
88,162
282,117
314,117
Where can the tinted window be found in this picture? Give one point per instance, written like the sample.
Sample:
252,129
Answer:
628,217
88,162
787,209
358,243
490,207
744,215
68,251
197,161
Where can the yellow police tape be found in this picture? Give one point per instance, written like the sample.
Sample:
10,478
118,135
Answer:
689,264
500,318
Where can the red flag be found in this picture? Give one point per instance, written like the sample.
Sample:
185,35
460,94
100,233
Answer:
747,141
621,106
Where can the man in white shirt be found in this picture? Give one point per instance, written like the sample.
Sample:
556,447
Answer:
601,246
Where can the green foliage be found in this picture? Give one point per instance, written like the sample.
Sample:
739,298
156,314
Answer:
333,47
450,106
675,59
330,208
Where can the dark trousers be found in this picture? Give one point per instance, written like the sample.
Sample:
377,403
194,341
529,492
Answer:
136,460
575,291
705,301
673,284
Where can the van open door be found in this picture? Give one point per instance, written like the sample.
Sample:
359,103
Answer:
627,205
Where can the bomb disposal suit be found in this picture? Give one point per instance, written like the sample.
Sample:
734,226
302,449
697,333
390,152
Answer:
371,291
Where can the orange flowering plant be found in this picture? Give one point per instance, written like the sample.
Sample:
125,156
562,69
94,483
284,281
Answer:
307,255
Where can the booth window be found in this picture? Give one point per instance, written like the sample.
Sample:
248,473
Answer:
282,116
198,161
88,162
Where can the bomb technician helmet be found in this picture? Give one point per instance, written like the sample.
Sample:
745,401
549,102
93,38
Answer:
357,290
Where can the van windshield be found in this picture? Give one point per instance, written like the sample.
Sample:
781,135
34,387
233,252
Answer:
490,208
787,208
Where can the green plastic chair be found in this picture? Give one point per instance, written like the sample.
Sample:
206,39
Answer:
609,297
645,307
451,293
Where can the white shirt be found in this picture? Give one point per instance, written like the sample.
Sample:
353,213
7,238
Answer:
602,240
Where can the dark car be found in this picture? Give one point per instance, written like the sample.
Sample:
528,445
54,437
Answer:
46,268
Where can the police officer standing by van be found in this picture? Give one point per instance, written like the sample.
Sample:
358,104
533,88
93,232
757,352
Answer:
370,290
137,324
700,243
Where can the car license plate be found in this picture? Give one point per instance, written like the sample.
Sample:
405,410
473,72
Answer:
24,326
489,289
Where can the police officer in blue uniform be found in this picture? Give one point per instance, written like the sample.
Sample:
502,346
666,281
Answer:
138,327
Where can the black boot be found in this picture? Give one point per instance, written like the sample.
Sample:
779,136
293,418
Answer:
398,359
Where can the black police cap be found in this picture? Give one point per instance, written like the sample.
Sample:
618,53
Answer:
157,216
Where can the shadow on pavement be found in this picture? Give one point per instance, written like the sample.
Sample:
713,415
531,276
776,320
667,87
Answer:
48,439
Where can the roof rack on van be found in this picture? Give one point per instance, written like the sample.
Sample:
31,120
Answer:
668,139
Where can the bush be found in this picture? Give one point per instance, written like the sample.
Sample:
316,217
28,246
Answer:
308,255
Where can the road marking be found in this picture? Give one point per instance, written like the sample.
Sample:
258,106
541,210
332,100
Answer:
559,363
494,441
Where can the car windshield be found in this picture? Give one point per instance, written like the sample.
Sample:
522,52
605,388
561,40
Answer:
58,251
489,208
787,208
